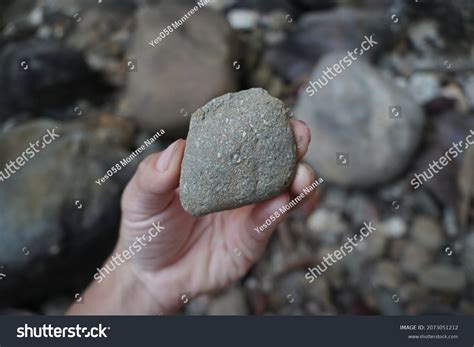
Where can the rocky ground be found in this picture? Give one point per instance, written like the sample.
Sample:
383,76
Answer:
87,68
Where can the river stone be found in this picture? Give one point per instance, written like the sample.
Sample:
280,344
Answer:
240,150
52,212
349,118
150,96
445,278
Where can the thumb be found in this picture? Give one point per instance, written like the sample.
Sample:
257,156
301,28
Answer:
153,185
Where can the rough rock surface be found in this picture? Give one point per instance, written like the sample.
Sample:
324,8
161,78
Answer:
349,117
240,150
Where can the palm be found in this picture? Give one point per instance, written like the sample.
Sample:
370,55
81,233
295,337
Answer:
208,252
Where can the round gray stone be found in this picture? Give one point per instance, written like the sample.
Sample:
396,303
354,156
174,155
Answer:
358,139
445,278
240,150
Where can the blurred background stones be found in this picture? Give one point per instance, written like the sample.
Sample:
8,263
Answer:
169,77
79,79
53,215
350,115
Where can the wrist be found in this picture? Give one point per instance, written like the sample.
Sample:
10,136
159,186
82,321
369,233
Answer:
163,287
117,292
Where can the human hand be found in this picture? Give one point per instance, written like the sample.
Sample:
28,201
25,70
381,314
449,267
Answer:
190,255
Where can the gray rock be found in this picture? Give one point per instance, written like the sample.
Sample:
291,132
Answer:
386,303
335,198
102,34
468,256
386,274
469,90
445,278
412,291
424,86
357,102
414,259
58,213
360,207
240,150
327,225
194,59
396,247
376,245
289,290
425,36
319,292
243,19
231,302
427,233
41,76
394,227
466,307
321,32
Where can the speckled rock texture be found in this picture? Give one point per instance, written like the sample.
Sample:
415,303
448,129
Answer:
240,150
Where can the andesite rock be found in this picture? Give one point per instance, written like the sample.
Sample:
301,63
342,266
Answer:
240,150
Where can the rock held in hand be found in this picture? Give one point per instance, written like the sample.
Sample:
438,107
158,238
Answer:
240,150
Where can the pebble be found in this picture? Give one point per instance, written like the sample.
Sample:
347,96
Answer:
414,259
243,19
384,121
240,150
231,302
468,256
394,227
427,233
445,278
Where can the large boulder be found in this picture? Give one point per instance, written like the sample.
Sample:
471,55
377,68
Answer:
180,73
55,221
359,139
319,33
39,76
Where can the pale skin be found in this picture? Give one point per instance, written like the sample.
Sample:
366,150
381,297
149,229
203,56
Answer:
192,255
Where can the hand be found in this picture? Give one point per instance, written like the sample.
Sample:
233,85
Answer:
190,255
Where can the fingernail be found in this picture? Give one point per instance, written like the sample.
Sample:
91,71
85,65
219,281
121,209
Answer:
165,158
302,121
309,168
